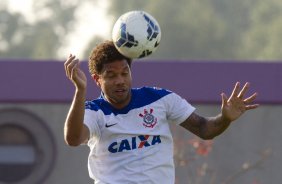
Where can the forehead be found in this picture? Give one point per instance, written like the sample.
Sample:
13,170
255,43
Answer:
115,66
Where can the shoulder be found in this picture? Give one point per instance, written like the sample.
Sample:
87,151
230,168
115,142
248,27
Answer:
154,94
98,104
147,95
93,104
151,92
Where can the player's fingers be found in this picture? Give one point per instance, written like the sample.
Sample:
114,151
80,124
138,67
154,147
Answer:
244,90
69,59
67,62
251,98
253,106
235,90
71,66
224,99
73,70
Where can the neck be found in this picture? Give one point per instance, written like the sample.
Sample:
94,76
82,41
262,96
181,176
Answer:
118,104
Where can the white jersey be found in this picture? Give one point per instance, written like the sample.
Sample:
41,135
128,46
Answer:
134,145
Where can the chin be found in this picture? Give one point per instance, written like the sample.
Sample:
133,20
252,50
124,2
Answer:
122,99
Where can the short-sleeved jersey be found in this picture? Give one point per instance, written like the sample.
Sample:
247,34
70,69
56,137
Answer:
134,144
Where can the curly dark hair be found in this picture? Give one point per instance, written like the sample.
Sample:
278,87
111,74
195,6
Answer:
104,53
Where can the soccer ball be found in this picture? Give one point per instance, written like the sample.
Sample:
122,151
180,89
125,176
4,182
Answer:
136,34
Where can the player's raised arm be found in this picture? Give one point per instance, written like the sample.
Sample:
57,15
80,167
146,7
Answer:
75,132
232,108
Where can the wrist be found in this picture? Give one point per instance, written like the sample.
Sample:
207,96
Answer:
80,92
225,119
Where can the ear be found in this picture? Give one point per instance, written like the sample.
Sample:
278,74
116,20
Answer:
96,78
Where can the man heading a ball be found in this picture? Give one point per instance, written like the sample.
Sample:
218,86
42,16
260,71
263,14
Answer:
127,129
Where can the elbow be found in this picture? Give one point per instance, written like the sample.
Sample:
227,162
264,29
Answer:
207,137
71,141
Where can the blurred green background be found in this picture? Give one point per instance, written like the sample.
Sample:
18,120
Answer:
199,30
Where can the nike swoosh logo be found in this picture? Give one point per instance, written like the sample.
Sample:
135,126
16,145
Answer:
107,126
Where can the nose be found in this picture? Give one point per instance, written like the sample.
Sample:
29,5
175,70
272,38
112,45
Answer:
120,80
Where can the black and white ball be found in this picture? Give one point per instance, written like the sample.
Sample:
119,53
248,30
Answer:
136,34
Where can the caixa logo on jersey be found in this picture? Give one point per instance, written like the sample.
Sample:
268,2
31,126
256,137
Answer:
133,143
149,120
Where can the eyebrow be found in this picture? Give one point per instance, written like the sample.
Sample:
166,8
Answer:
111,71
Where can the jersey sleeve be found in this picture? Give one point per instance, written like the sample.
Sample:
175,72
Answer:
91,121
178,109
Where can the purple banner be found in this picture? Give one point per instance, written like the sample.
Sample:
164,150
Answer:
197,81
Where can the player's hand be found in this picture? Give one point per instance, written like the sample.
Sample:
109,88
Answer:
74,73
234,106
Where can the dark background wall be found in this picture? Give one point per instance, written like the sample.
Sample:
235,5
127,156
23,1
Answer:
35,97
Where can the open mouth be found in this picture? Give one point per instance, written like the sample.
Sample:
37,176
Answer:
120,91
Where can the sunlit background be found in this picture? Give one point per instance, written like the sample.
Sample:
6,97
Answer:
71,25
208,29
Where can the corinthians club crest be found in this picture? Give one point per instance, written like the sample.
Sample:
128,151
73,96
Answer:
149,120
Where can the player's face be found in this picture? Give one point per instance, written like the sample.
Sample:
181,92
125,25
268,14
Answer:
115,82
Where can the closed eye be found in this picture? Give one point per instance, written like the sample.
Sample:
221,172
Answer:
125,73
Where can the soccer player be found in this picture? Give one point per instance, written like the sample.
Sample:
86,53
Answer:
127,129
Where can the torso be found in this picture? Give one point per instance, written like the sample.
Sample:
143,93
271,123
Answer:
132,145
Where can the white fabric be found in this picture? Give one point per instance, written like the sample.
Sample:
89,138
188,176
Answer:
137,147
